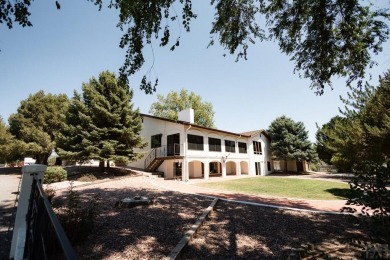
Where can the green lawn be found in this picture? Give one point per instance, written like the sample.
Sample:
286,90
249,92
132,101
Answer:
285,187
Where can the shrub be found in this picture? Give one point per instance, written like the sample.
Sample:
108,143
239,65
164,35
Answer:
76,216
55,174
50,193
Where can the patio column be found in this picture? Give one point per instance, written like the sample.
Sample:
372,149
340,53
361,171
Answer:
223,167
206,170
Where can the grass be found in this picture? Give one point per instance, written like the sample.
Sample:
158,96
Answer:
286,187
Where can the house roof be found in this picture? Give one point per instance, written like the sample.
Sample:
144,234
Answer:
257,132
245,134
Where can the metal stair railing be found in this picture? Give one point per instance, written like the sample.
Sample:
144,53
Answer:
163,151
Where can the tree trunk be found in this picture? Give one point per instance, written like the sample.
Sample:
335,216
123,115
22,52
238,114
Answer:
41,159
101,165
108,164
285,165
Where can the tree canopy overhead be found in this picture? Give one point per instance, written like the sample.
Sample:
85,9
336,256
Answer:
324,39
169,107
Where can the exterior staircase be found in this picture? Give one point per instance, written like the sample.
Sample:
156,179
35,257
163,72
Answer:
158,155
153,166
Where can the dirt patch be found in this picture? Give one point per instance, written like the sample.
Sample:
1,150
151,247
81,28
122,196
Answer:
90,173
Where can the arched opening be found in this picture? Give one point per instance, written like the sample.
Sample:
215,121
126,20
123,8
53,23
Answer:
195,169
244,168
215,169
231,168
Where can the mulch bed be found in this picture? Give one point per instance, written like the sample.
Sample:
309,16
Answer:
236,231
233,231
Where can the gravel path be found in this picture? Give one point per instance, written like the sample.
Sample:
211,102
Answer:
146,232
233,231
9,182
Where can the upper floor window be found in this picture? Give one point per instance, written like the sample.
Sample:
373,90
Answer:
155,141
214,144
230,146
257,147
195,142
242,147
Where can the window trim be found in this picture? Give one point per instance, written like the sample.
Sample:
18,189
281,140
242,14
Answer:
240,148
197,145
257,147
215,147
230,148
154,144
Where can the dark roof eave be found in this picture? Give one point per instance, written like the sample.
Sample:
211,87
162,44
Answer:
193,125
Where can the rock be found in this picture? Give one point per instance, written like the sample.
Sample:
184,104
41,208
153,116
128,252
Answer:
133,202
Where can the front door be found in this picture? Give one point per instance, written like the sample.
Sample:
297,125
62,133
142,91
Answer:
173,144
300,166
177,169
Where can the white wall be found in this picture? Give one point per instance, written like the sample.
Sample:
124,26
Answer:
154,126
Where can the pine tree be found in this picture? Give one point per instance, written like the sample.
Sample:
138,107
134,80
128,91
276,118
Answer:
375,119
101,123
289,140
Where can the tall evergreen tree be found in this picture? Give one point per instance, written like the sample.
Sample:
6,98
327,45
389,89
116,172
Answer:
174,102
37,123
289,140
363,132
101,123
5,140
339,142
362,138
375,117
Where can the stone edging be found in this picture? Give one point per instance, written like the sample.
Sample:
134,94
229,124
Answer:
191,232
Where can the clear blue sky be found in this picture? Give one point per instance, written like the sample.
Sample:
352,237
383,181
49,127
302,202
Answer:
67,47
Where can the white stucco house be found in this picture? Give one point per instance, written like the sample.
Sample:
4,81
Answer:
180,149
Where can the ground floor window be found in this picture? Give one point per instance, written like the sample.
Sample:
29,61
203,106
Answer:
258,168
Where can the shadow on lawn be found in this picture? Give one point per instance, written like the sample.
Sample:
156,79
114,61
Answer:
345,193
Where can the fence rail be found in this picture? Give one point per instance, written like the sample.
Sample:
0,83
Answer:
163,151
45,237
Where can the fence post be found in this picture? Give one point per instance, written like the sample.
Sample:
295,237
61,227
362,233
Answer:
20,226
